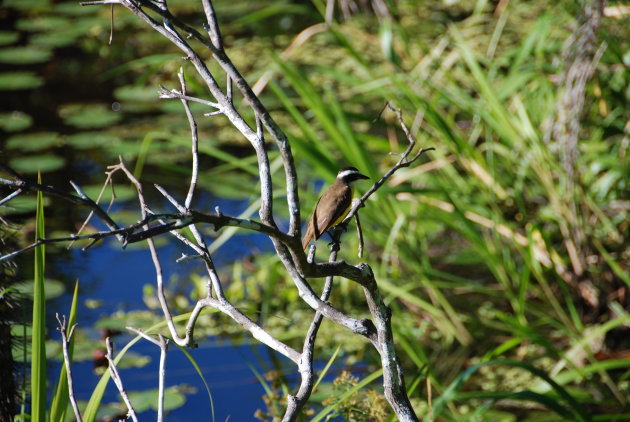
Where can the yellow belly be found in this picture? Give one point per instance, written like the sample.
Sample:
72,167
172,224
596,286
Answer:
345,213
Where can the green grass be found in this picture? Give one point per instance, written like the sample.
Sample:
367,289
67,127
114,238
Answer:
477,244
38,339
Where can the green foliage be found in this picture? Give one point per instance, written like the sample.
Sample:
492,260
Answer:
474,246
353,403
38,333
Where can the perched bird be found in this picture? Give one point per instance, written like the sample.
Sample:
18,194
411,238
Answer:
333,206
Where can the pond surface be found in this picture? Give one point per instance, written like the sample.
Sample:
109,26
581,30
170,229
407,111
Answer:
71,106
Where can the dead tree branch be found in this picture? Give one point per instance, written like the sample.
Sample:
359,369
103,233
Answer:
287,244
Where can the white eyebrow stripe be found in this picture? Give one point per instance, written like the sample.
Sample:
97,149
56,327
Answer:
346,173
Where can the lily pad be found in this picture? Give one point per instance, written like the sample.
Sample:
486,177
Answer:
24,55
71,8
15,81
145,400
32,141
27,5
8,37
54,288
88,140
32,163
123,192
42,23
15,121
134,93
21,205
60,38
86,116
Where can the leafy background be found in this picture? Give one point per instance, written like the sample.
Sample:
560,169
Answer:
472,246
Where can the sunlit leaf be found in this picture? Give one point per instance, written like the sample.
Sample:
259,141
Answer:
28,5
32,141
24,55
8,37
32,163
21,205
41,23
15,81
15,121
59,38
54,288
92,140
86,116
135,93
148,399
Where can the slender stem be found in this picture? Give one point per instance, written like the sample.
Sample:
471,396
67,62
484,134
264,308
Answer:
162,343
65,340
118,381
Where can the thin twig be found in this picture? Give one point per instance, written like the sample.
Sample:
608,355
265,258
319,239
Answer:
404,161
65,340
296,402
195,141
117,380
162,343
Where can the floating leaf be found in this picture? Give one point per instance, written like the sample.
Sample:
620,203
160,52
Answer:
60,38
42,23
32,163
87,140
134,360
54,288
134,93
123,192
14,81
20,205
8,37
15,121
70,8
27,5
24,55
145,400
32,141
88,115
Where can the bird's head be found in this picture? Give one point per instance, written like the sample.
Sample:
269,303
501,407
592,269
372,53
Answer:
348,175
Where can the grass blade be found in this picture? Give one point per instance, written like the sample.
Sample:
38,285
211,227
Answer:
203,379
38,351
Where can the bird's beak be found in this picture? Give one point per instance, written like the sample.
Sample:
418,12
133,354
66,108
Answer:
362,176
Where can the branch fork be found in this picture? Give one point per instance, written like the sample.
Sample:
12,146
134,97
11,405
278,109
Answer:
287,244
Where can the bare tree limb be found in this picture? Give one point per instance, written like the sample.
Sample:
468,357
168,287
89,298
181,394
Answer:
287,245
65,340
162,343
118,381
296,402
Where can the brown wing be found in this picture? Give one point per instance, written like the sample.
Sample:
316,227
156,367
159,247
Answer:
337,198
339,201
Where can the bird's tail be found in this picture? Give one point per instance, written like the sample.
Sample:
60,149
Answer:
307,237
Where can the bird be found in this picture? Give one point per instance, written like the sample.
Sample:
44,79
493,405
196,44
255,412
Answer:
333,206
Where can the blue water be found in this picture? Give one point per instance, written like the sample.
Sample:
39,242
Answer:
115,277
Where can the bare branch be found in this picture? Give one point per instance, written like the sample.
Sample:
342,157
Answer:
174,94
195,141
10,196
403,162
287,245
26,185
116,378
162,343
213,26
65,340
297,402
